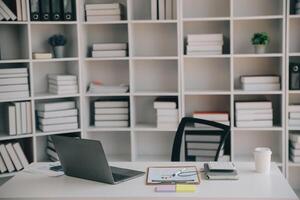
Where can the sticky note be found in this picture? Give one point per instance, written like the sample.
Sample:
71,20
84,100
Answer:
185,188
165,188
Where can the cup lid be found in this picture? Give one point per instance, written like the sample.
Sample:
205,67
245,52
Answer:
262,150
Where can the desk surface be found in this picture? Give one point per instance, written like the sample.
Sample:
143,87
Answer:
251,185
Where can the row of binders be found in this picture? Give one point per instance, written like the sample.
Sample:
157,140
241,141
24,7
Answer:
163,9
14,10
12,158
294,147
103,12
62,84
204,44
260,83
14,83
55,10
109,50
18,116
294,115
167,112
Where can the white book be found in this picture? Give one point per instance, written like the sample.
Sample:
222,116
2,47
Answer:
103,12
247,117
115,117
154,9
23,117
260,79
59,77
294,108
13,81
109,46
197,125
253,105
9,71
162,105
200,145
61,92
203,138
24,10
60,127
212,116
161,10
261,86
54,114
19,10
294,115
206,43
169,9
255,124
13,156
204,37
254,111
8,162
294,152
18,117
111,104
58,120
61,82
294,137
201,53
294,122
204,48
111,111
165,118
42,55
12,126
167,112
11,15
20,154
65,105
14,88
4,14
28,117
63,87
112,53
101,6
98,18
111,123
202,152
11,95
52,153
3,168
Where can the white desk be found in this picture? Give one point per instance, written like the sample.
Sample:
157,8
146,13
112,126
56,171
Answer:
250,186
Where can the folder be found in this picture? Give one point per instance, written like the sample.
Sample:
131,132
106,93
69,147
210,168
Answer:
34,10
45,10
56,10
69,10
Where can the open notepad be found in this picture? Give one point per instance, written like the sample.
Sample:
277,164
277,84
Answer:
173,175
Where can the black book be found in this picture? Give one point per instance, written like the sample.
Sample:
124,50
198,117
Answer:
45,10
294,76
56,10
69,10
35,10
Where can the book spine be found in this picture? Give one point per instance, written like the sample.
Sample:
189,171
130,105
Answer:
29,119
154,9
35,14
13,156
6,158
20,154
12,120
56,10
24,10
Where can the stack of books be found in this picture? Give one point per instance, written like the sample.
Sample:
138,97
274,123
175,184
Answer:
14,10
97,88
204,44
50,150
14,83
294,147
109,50
18,118
103,12
294,116
57,116
12,158
254,114
260,83
220,117
167,112
111,113
62,84
163,9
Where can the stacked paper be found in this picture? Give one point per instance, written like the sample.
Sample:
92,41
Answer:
294,147
260,83
167,112
254,114
109,50
103,12
220,117
57,116
62,84
294,115
99,89
204,44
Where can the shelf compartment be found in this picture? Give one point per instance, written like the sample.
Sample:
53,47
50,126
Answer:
155,76
154,40
153,146
245,142
245,8
41,33
246,29
294,43
111,73
41,70
294,98
209,27
293,178
14,42
256,66
198,73
116,145
110,33
205,8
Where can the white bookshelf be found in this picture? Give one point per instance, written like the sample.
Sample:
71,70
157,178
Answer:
156,65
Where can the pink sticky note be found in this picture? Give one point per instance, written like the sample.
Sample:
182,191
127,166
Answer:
165,188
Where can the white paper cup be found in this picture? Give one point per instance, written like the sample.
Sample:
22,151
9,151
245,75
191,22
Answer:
262,157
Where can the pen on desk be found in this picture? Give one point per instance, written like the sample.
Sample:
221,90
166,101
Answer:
178,172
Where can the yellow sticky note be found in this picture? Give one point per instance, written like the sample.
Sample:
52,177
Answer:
185,188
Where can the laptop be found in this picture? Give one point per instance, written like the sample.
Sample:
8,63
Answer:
86,159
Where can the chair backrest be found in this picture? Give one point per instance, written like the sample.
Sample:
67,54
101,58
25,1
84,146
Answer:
225,131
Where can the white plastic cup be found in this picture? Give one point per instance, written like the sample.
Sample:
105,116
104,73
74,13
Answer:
262,157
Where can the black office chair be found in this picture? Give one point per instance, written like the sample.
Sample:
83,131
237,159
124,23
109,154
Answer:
225,131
